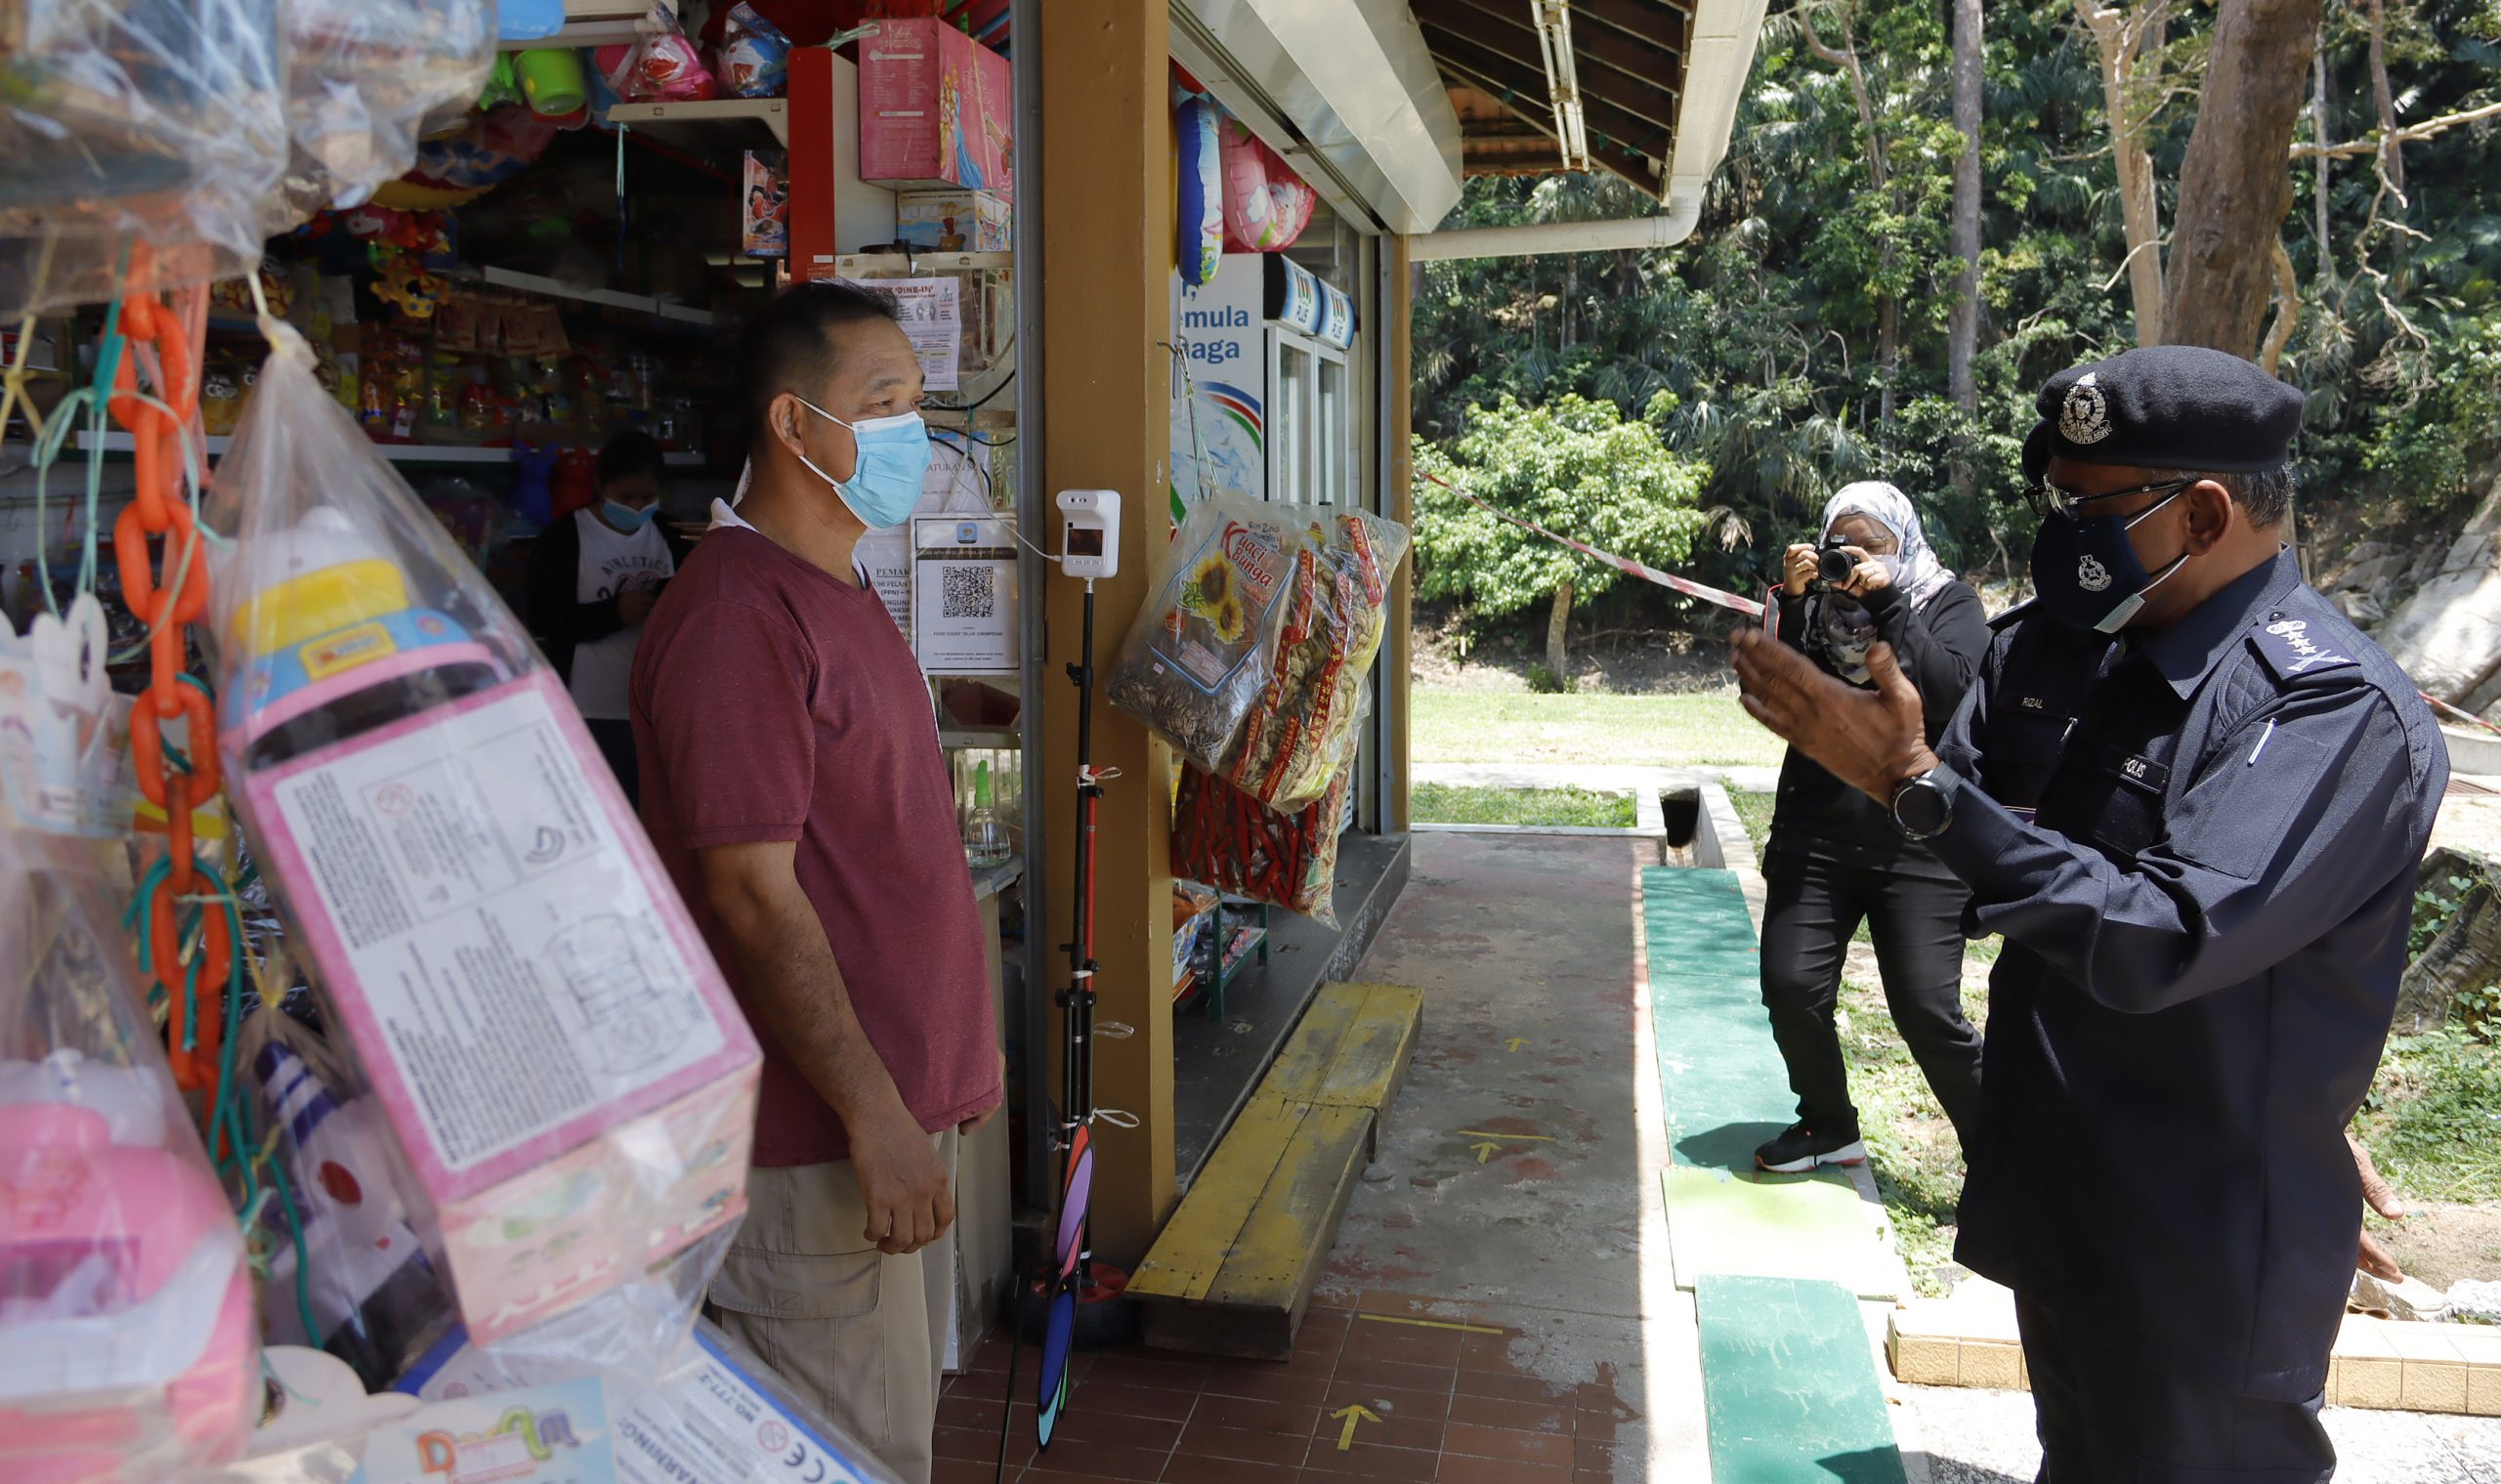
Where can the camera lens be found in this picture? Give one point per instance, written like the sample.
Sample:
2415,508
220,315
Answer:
1835,565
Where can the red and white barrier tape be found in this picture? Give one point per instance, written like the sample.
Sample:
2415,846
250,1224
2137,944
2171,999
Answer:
1685,585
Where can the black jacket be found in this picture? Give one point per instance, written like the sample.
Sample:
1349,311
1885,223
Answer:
556,620
2201,849
1816,815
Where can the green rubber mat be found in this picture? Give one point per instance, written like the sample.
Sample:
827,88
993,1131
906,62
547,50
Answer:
1725,1092
1789,1385
1720,1071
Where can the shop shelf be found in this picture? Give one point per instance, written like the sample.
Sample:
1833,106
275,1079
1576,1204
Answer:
398,454
118,442
897,264
534,283
715,128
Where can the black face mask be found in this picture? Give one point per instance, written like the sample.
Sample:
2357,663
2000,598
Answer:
2087,574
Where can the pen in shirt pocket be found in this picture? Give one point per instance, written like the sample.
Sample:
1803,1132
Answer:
2264,738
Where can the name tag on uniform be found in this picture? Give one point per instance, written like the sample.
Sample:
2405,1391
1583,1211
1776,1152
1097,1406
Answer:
2141,772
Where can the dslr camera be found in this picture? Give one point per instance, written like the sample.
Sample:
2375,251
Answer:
1834,565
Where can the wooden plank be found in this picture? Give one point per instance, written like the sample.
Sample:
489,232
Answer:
1371,1057
1279,1254
1186,1258
1298,1073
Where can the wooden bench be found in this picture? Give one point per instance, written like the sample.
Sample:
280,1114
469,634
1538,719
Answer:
1233,1271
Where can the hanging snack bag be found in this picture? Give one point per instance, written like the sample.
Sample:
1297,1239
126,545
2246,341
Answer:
755,57
1229,839
127,1350
1286,755
559,1065
1203,649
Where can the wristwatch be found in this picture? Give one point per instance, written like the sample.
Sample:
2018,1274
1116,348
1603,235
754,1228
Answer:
1924,806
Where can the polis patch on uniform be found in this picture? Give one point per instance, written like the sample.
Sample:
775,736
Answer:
2290,652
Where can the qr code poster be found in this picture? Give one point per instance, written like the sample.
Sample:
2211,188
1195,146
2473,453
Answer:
965,617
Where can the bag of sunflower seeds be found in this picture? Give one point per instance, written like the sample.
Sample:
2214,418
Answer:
1204,646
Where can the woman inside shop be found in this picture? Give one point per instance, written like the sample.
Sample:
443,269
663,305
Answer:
1835,858
593,580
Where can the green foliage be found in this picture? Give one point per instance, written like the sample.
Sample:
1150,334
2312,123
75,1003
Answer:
2434,903
1544,682
2432,1119
1576,808
1753,348
1572,465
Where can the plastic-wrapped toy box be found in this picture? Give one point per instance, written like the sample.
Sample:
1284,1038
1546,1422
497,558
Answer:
569,1084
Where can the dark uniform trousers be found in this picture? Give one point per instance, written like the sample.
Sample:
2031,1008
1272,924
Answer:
2201,849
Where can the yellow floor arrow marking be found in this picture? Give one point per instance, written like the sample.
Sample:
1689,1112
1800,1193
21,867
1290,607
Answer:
1485,1151
1487,1133
1518,1041
1358,1412
1432,1323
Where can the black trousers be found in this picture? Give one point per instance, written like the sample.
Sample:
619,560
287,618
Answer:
1813,908
2107,1419
615,740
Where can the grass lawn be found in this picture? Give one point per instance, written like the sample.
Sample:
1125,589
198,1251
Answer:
2433,1119
1444,804
1650,730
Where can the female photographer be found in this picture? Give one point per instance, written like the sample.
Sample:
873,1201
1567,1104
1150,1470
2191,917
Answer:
1835,857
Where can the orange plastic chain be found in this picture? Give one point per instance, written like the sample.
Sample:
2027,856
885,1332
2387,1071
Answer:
169,606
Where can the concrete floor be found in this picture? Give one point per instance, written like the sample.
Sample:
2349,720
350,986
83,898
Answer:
1517,1181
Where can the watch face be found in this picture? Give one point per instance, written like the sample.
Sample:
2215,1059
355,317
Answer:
1921,810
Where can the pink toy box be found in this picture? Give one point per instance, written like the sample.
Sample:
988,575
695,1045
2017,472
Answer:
936,110
567,1088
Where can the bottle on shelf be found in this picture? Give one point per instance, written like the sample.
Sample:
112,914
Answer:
985,834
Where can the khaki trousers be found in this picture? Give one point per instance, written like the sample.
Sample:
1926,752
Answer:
861,1333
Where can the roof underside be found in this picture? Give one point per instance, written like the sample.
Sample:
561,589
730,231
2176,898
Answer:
1630,58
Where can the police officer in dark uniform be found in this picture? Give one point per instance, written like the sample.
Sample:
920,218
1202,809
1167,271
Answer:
2193,799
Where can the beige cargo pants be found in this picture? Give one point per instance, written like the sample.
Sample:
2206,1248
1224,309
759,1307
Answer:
859,1332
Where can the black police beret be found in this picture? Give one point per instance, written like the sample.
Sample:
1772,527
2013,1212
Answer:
2165,406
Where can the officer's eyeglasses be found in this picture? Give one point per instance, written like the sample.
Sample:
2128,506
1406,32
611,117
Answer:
2050,499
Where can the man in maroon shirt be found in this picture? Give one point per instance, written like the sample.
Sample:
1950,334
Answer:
793,783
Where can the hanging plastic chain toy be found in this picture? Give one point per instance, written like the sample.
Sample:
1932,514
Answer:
194,981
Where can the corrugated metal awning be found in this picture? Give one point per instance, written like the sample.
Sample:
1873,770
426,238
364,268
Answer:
1649,72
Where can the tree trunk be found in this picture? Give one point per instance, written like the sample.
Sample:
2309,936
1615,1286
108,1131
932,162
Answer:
2392,153
2118,40
1557,628
2288,308
1845,57
2236,184
2326,271
1963,333
2466,955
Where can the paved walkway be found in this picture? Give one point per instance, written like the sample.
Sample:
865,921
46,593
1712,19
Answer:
1517,1181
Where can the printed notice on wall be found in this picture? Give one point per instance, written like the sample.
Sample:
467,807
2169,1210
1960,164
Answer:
498,933
932,316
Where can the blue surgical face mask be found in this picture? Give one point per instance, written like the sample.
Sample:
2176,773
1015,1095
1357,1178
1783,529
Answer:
2086,571
627,518
885,479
